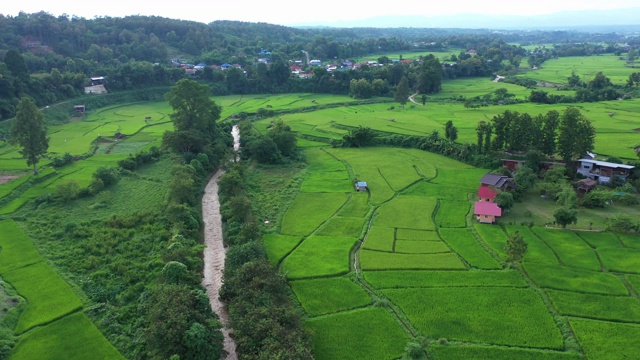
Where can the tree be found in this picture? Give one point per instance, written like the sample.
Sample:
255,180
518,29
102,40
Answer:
547,144
280,133
402,91
576,134
504,200
29,131
450,131
515,248
424,99
565,216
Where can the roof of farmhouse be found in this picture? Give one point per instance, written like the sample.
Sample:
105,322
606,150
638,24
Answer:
487,208
606,164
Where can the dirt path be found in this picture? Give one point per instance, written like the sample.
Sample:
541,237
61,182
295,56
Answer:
412,98
214,253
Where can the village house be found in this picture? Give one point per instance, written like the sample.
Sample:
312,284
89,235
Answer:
603,172
502,182
487,212
361,186
487,194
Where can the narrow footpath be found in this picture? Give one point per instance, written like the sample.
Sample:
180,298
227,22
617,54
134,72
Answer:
214,253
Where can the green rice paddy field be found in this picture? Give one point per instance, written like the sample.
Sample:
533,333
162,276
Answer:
403,261
412,265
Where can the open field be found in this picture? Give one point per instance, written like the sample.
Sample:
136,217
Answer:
558,70
423,269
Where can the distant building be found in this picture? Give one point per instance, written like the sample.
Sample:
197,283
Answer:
501,182
602,171
361,186
487,194
315,63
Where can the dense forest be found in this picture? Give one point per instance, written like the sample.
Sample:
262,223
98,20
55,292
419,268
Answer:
52,58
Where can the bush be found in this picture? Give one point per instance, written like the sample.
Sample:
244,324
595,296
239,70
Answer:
67,191
108,176
621,224
61,161
597,198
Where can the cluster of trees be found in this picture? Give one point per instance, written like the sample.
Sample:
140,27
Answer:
277,145
600,88
266,324
569,134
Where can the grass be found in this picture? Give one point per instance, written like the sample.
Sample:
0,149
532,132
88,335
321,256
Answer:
596,306
558,70
570,248
319,256
342,226
326,296
601,239
464,243
452,214
493,236
424,278
357,206
377,260
278,246
73,337
411,212
564,278
421,247
607,340
445,352
632,241
380,238
501,316
634,280
537,251
340,336
309,211
413,234
621,260
48,296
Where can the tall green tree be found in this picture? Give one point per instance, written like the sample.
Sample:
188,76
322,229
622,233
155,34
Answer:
29,132
194,118
402,91
565,216
450,131
576,134
550,122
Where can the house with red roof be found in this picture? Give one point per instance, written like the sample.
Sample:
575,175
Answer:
487,212
487,193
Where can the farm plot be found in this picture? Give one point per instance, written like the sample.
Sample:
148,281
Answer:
422,278
484,315
632,241
357,206
330,295
413,234
537,251
421,247
279,246
409,212
325,174
464,243
380,238
319,256
73,337
570,279
634,280
452,214
493,236
309,211
621,260
570,248
48,296
446,352
607,340
438,191
595,306
342,226
377,260
601,239
340,336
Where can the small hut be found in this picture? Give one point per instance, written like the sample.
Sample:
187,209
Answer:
361,186
79,109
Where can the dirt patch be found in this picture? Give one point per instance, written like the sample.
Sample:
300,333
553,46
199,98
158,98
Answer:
8,178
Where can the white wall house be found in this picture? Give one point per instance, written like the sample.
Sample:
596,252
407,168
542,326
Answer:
603,171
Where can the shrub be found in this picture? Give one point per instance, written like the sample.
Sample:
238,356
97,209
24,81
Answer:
63,160
597,198
621,223
108,176
67,191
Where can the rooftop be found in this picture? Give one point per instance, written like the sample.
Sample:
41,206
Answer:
487,208
606,164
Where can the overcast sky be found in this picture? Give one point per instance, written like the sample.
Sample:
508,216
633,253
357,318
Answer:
292,12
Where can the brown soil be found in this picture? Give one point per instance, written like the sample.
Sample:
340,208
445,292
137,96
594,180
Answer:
7,178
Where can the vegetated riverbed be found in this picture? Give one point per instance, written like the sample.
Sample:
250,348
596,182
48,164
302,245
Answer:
214,253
